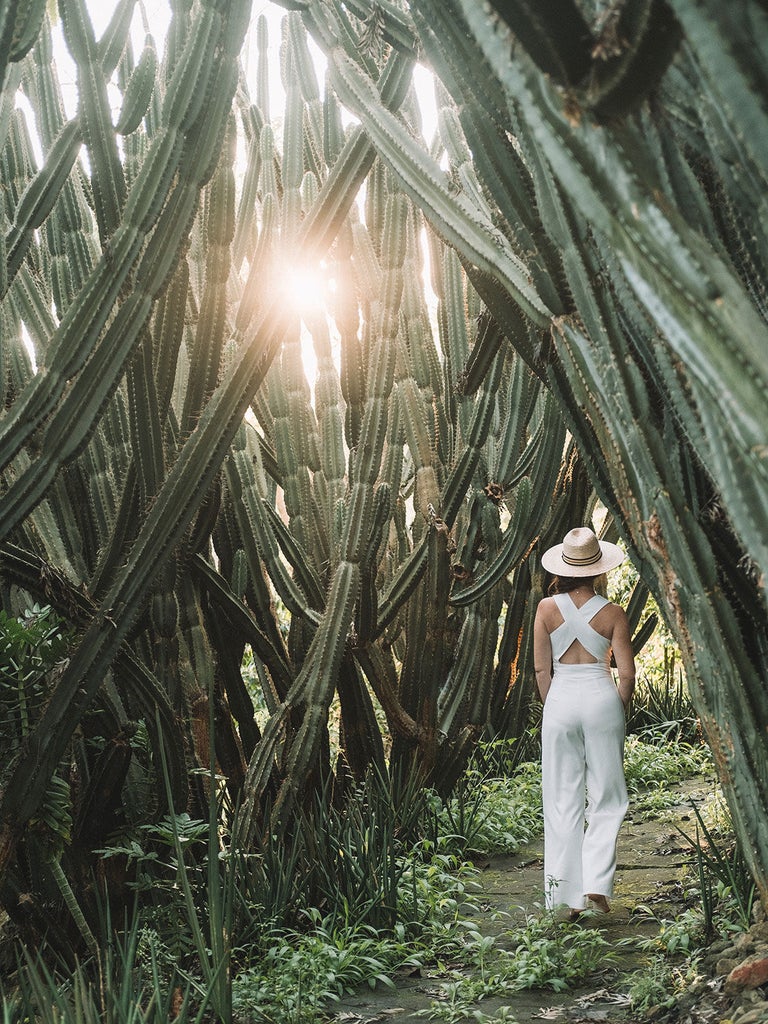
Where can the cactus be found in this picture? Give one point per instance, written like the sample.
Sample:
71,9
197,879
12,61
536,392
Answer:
628,192
101,478
169,474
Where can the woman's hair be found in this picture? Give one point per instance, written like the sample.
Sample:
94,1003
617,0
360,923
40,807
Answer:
563,584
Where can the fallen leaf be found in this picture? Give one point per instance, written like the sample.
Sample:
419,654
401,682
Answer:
604,995
586,1016
347,1017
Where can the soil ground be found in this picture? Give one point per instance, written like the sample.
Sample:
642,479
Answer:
651,854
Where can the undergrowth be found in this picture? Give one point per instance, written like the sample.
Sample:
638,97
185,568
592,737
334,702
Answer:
487,814
653,772
718,893
542,953
360,895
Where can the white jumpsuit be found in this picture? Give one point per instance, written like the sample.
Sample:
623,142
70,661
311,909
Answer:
582,740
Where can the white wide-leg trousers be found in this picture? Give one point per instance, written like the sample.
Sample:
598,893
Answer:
582,739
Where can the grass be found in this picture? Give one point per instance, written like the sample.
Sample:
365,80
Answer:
360,895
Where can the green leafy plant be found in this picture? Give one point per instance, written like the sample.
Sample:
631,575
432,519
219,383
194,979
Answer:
661,710
32,646
490,814
149,854
543,953
647,764
292,974
436,899
682,936
300,973
549,954
723,874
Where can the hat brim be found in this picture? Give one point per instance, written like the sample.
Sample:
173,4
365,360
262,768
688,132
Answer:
611,556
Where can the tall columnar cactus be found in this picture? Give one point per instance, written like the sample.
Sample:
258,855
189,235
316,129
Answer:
79,522
629,188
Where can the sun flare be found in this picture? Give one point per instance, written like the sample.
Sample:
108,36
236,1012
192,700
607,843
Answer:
306,288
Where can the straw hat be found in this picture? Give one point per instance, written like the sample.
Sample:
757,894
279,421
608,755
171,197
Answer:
582,554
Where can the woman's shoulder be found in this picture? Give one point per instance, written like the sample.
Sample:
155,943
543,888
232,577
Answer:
611,612
548,612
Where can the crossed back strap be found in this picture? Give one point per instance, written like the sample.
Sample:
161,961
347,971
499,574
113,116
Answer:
575,626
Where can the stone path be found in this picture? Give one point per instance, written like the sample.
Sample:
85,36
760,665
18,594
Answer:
651,855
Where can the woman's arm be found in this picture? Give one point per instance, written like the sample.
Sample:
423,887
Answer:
542,654
621,642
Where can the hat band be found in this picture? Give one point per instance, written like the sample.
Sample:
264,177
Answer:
586,560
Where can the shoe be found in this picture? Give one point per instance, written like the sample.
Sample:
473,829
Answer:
598,903
573,914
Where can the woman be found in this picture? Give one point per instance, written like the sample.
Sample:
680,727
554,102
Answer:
582,735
